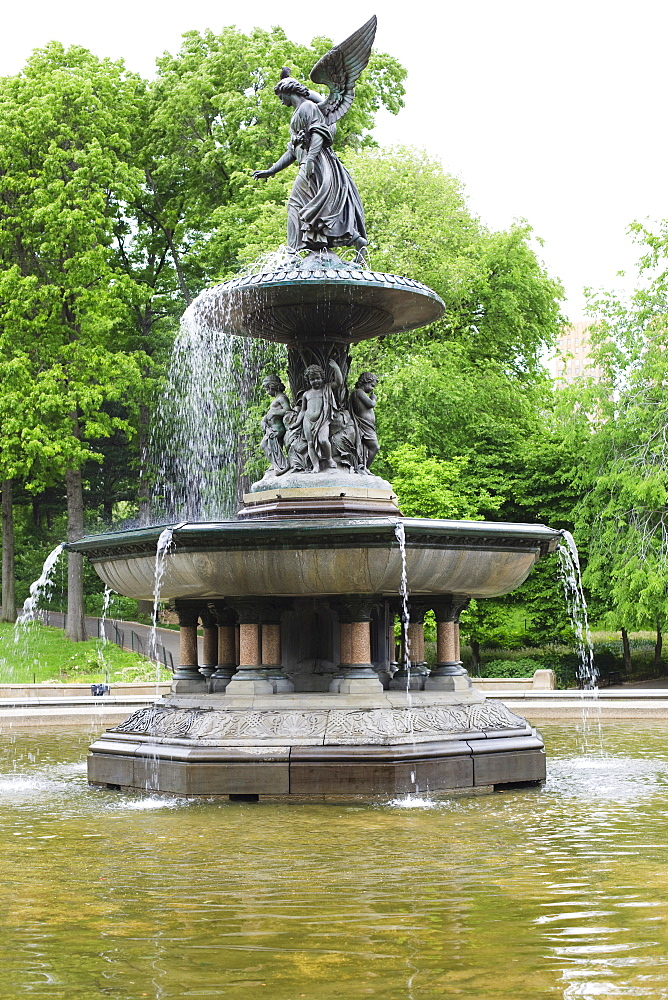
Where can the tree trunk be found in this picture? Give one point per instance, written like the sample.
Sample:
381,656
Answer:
76,629
475,655
8,574
658,648
626,648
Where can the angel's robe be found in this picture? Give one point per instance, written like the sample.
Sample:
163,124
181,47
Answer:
324,210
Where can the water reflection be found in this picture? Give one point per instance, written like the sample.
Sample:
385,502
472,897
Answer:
553,892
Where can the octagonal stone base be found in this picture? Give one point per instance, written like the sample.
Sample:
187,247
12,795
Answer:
318,745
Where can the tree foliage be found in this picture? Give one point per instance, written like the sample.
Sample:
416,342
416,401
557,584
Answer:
624,512
65,125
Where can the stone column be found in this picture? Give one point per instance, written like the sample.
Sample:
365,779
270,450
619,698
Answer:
187,677
227,662
272,660
251,677
209,642
412,671
382,647
345,653
358,675
448,673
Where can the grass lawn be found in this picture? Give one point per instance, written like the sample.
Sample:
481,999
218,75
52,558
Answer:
603,635
36,653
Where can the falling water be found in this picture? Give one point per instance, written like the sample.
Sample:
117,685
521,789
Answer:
40,590
571,578
200,439
164,547
400,533
101,651
105,611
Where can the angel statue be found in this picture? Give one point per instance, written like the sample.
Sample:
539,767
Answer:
324,208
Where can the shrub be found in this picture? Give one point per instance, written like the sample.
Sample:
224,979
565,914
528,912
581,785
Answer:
510,668
119,607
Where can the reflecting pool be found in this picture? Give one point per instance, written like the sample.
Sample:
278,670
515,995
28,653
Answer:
554,892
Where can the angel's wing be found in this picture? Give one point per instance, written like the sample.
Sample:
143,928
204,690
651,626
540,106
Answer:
340,68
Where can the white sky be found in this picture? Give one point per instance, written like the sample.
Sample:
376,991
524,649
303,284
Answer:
553,112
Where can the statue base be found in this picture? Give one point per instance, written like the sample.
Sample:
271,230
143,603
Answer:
333,493
376,744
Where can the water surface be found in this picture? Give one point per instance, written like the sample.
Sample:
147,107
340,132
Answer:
552,892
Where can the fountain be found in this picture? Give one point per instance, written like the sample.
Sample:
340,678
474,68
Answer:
299,692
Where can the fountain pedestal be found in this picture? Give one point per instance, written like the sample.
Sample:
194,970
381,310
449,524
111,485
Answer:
382,744
309,700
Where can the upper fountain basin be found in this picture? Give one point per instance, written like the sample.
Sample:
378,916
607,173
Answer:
318,297
314,559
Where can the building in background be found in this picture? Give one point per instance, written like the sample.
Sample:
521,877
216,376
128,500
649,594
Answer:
572,359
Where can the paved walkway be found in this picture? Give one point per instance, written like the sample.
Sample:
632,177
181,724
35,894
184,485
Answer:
658,683
649,704
646,705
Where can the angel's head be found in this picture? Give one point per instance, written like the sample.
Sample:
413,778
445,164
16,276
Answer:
287,86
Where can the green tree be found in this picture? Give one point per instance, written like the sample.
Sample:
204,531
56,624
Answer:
65,173
430,487
623,516
472,384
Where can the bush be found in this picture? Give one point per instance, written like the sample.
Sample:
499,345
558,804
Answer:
566,666
124,608
608,662
510,668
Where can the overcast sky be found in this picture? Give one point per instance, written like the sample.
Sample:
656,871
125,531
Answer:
552,112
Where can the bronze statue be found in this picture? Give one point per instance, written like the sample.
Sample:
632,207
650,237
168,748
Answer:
344,441
324,208
319,404
362,406
295,443
272,424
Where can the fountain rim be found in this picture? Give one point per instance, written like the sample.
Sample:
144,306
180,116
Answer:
335,532
406,303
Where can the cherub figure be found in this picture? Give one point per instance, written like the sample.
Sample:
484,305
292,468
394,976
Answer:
272,424
294,443
362,406
345,440
324,209
319,404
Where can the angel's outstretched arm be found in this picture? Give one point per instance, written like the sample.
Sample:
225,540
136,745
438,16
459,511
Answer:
285,161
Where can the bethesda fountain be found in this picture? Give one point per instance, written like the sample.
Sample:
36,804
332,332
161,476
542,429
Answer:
299,691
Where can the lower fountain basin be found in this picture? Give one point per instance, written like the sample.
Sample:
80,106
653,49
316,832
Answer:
319,558
319,745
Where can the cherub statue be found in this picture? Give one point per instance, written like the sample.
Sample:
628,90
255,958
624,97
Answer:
324,208
319,404
362,406
272,424
345,440
295,443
